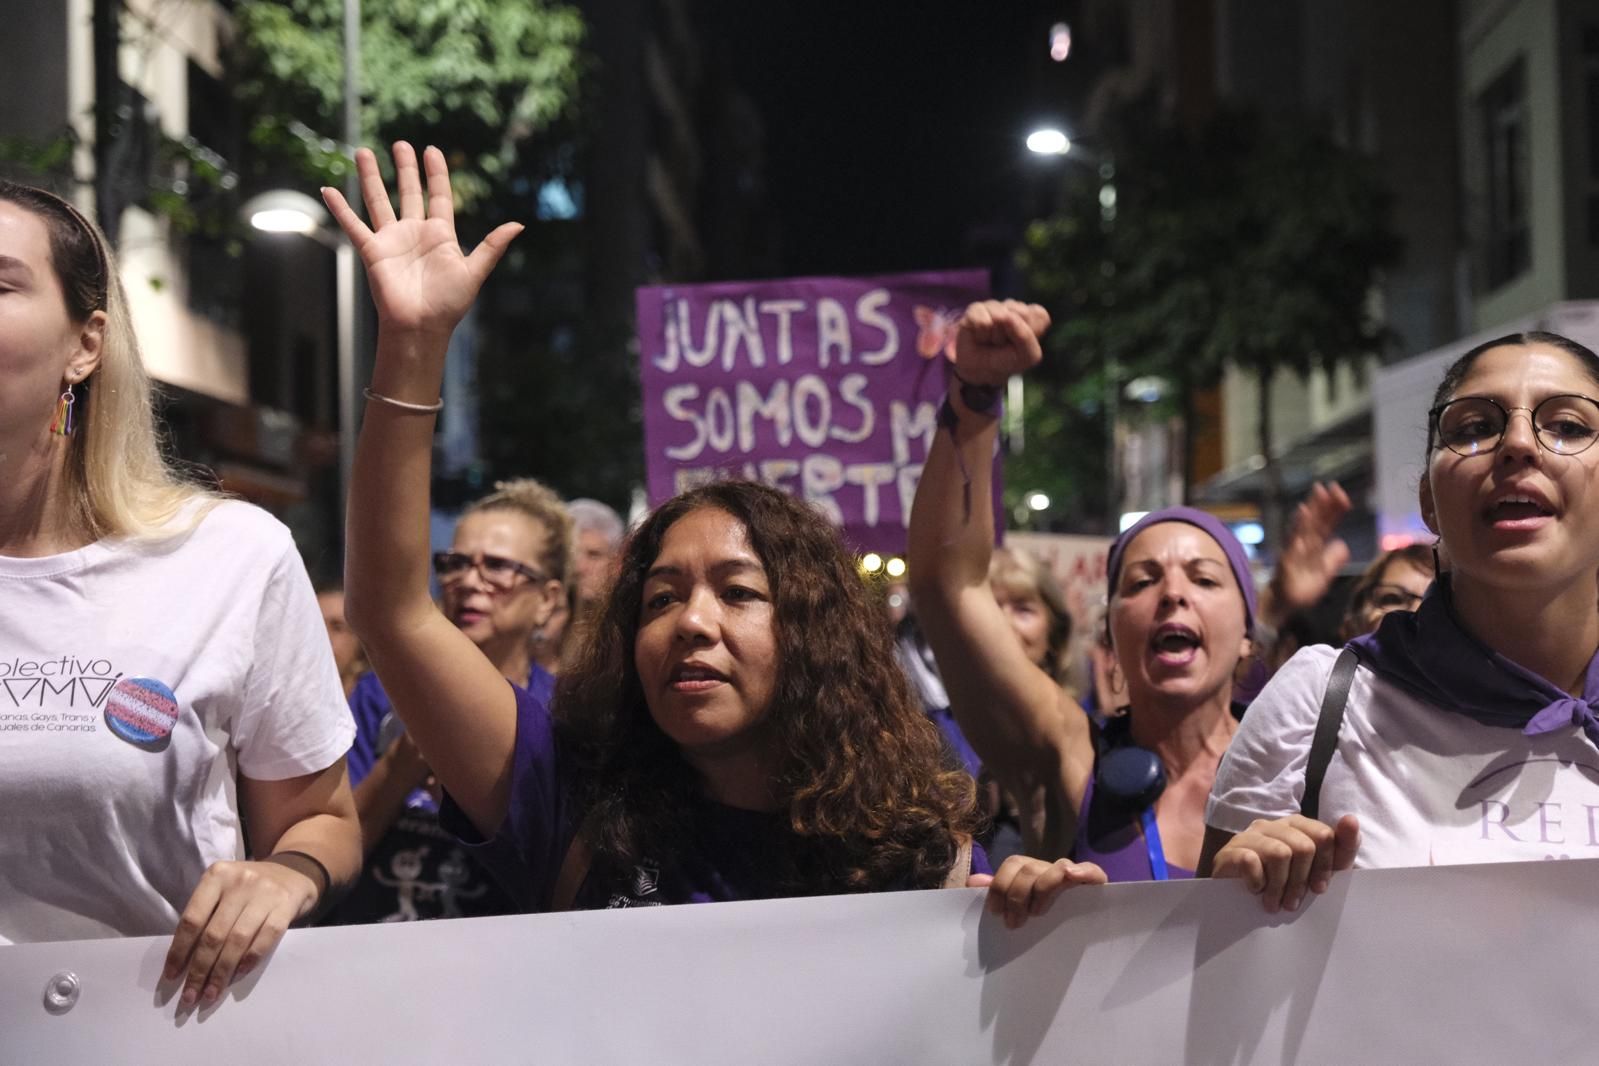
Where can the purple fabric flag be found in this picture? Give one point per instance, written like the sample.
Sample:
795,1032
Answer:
827,388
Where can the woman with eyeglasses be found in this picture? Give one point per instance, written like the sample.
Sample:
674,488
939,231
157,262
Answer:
1309,564
1395,581
735,724
502,578
1469,731
172,724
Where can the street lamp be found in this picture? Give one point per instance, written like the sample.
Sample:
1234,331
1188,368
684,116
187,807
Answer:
288,211
1048,140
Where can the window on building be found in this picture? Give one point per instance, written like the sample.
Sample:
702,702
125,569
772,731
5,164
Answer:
1508,241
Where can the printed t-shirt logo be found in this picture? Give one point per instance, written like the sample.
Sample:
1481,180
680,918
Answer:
142,711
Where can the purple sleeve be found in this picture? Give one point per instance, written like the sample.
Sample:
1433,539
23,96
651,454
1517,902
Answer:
980,863
956,740
526,852
369,705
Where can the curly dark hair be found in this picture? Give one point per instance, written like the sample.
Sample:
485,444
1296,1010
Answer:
871,799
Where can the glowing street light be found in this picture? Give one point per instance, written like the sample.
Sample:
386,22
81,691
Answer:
1048,141
871,562
895,567
1037,501
1060,42
286,211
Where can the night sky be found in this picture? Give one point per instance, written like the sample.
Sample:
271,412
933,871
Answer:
894,132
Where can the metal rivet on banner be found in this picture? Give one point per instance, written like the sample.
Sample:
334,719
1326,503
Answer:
61,992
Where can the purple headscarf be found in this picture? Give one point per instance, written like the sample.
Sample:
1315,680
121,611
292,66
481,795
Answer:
1237,559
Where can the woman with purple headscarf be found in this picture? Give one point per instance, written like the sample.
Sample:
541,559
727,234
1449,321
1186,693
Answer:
1468,730
1127,803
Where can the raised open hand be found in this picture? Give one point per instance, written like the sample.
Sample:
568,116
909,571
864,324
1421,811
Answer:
998,338
420,279
1312,556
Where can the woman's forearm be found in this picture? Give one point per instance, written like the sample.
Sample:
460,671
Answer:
387,526
381,795
951,536
454,702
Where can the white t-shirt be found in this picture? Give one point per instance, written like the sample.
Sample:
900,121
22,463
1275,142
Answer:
137,678
1431,787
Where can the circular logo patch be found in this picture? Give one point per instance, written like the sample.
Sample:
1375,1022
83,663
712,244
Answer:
142,711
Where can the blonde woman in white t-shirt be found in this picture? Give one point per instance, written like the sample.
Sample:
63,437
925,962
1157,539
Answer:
1469,730
167,686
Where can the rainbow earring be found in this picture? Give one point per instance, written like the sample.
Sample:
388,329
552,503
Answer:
61,425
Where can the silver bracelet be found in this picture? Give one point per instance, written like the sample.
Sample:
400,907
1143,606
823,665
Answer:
414,408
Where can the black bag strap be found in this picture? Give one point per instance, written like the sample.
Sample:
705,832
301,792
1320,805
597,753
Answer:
1328,722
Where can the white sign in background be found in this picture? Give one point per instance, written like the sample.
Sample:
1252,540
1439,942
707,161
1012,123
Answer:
1459,964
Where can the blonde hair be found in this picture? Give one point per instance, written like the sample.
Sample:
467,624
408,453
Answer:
537,501
1023,574
117,481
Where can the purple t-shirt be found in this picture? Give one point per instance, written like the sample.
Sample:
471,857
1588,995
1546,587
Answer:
1115,841
370,707
731,854
416,870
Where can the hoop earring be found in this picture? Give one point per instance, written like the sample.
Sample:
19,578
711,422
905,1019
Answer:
61,425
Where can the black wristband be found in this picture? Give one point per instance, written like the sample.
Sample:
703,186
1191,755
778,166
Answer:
316,863
979,399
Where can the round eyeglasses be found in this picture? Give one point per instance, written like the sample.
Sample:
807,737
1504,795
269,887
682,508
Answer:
497,572
1475,425
1393,598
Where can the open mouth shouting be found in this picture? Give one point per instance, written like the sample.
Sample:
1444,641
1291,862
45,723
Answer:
1174,644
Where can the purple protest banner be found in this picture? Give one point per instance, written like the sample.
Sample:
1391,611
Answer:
827,388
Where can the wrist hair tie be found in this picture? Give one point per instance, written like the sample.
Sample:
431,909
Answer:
410,408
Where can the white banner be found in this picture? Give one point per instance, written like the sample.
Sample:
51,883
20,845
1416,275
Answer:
1484,964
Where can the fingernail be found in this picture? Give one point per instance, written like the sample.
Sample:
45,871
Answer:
243,970
169,972
211,993
1322,885
190,994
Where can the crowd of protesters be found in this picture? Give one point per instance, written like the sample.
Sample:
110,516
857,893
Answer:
554,713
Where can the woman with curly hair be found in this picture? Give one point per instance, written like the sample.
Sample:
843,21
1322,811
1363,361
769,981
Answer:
737,726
